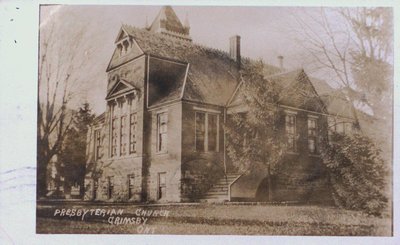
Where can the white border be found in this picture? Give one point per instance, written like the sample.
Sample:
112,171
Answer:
18,91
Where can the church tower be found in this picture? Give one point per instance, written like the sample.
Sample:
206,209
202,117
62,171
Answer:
168,23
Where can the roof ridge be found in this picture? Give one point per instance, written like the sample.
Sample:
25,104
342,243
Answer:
220,52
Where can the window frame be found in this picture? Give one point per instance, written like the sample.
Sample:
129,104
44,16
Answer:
132,133
292,136
114,137
160,193
131,185
110,186
159,142
312,134
122,136
206,145
97,143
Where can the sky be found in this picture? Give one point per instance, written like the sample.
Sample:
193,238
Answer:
265,33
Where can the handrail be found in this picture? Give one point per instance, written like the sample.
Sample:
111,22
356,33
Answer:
229,187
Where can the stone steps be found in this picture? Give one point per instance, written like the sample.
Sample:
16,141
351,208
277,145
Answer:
219,192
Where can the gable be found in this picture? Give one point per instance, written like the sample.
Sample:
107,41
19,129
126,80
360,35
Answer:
120,88
296,90
121,35
126,49
237,97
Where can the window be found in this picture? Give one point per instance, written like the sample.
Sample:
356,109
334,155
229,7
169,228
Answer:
312,135
119,47
212,132
290,128
339,126
162,185
132,133
162,120
95,187
114,137
110,186
97,144
206,131
122,137
200,131
131,186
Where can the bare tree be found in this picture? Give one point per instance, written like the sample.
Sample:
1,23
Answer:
352,46
60,61
329,44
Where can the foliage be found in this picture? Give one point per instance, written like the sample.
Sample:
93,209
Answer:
372,29
58,82
357,173
255,140
73,153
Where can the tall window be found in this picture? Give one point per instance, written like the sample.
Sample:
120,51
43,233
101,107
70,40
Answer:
162,122
95,187
122,137
312,135
212,132
162,185
290,127
200,131
206,131
132,133
131,185
114,136
97,144
110,186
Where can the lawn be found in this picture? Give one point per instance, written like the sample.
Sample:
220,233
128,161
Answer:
215,219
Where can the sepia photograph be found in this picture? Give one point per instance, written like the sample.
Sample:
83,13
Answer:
215,120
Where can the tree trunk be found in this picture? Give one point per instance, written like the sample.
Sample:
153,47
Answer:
41,173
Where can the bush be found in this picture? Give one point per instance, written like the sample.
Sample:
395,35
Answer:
357,173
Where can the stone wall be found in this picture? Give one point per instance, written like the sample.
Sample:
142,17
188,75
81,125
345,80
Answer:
119,167
169,161
199,169
300,177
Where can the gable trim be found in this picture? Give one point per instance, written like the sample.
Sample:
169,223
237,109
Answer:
130,88
126,62
121,30
184,81
303,73
234,93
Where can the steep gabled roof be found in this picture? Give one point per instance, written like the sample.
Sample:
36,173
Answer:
297,90
212,76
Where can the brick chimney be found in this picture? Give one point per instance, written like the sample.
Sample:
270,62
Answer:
280,60
234,50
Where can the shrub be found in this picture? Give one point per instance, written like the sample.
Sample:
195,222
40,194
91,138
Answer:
357,173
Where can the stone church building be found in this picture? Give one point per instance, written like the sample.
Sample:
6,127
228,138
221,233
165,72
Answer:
161,138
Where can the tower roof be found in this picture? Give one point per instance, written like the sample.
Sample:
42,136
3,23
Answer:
167,22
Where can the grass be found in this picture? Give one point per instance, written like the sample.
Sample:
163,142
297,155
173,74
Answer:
224,219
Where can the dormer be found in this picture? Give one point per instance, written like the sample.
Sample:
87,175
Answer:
124,43
126,48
